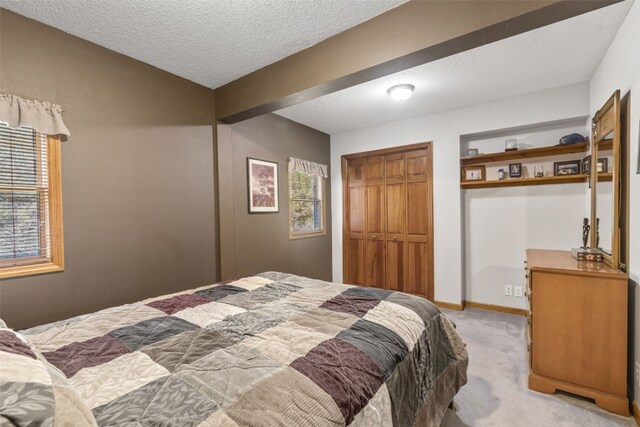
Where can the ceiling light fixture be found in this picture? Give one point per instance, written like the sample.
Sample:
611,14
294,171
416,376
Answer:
401,92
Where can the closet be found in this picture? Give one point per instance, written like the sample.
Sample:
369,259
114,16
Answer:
388,219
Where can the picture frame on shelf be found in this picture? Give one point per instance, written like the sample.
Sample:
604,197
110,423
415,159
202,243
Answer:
515,170
473,173
603,165
586,165
569,167
262,186
472,152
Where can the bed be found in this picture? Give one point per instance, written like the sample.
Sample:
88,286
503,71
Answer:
268,350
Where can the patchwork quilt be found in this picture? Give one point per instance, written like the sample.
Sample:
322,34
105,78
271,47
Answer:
268,350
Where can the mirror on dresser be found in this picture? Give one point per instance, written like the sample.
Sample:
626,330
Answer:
603,225
608,181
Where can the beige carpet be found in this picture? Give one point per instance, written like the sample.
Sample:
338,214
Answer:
497,393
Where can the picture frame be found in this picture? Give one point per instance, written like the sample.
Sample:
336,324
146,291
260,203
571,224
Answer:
262,186
472,152
569,167
586,165
515,170
473,173
603,165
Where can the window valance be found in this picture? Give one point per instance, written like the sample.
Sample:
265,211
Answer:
310,168
44,117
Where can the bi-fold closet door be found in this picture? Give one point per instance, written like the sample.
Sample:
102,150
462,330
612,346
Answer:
388,219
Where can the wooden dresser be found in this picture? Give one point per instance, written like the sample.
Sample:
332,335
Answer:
577,328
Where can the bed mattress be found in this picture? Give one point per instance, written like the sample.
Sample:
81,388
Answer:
268,350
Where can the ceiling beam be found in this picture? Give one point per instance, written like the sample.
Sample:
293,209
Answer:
410,35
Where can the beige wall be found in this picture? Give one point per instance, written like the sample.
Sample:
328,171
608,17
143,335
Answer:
251,243
137,175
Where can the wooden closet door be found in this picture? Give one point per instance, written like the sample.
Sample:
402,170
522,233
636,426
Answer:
419,279
375,214
388,219
355,241
395,188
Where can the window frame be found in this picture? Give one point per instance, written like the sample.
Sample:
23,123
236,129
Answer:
56,243
295,235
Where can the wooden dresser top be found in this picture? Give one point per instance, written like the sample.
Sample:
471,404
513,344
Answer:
545,259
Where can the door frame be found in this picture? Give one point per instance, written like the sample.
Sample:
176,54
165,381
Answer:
345,208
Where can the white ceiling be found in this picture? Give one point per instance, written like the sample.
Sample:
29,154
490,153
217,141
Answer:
211,42
556,55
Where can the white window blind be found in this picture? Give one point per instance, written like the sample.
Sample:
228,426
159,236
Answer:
24,197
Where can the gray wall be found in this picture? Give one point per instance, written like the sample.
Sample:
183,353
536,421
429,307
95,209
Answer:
251,243
137,175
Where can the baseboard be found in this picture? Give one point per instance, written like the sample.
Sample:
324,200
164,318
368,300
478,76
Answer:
498,308
450,305
490,307
636,412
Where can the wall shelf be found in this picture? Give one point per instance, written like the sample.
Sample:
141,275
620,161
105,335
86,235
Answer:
605,145
532,153
529,153
554,150
519,182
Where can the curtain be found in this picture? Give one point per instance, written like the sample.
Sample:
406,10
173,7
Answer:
44,117
310,168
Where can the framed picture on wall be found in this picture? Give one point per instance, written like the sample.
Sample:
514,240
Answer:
603,165
571,167
586,165
473,173
515,170
262,183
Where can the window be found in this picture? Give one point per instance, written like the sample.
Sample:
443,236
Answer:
306,205
30,203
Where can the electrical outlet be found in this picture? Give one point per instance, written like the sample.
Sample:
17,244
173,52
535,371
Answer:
508,290
518,291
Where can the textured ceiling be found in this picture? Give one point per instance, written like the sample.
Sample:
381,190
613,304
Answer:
211,42
557,55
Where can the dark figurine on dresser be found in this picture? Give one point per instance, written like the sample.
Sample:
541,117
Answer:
585,232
